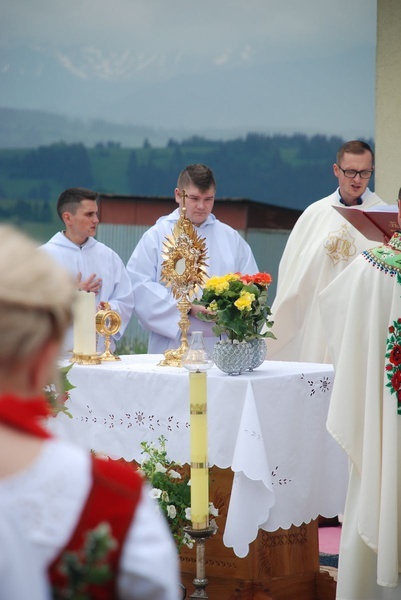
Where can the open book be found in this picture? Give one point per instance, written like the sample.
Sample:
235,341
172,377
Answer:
377,223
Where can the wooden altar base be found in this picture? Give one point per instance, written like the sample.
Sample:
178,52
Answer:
281,565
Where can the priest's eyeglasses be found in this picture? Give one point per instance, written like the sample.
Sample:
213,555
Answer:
351,173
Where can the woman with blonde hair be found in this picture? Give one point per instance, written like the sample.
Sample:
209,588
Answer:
94,529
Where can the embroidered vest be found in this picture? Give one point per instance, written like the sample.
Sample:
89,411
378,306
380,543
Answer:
112,500
109,509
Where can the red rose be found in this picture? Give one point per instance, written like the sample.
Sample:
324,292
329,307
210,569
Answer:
395,355
396,381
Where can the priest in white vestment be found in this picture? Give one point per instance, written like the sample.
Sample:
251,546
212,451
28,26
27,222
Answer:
321,245
361,314
155,306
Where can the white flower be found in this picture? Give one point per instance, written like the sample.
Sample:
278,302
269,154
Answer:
155,493
188,541
188,513
164,496
171,511
214,525
159,468
213,510
174,474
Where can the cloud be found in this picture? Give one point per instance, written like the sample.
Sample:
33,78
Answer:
153,40
67,63
205,29
255,58
223,58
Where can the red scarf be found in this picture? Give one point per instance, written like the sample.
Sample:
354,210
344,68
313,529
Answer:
25,415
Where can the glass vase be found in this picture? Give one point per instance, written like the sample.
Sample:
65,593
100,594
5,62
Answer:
232,358
258,352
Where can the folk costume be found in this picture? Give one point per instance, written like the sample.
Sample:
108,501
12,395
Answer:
21,575
66,500
321,245
155,306
95,257
361,314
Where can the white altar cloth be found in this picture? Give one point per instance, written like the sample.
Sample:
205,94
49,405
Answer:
269,426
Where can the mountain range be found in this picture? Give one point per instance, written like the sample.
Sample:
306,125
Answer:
75,94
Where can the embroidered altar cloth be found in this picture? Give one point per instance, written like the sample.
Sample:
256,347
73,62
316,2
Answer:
268,426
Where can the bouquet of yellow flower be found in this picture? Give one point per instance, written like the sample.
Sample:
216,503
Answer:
238,306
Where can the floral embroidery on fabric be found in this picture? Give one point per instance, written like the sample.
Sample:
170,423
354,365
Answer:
137,421
387,258
88,566
279,480
323,384
393,356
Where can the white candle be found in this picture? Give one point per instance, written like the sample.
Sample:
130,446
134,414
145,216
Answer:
85,323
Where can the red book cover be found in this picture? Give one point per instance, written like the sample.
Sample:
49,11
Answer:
376,223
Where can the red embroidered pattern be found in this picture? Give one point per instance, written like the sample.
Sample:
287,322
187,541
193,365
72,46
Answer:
393,364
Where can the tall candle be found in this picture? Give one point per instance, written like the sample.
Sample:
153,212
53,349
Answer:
198,452
85,323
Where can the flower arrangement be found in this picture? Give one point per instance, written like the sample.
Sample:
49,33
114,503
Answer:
171,489
58,394
237,304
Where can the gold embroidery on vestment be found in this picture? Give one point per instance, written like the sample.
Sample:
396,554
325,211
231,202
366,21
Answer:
340,245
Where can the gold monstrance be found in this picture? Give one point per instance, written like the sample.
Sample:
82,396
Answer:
108,323
184,270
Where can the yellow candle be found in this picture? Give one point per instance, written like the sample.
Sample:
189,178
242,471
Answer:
199,454
85,323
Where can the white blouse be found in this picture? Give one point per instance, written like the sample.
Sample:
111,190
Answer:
47,499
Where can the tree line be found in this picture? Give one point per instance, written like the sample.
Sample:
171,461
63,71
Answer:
289,171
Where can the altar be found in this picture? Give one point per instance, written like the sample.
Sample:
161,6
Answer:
275,467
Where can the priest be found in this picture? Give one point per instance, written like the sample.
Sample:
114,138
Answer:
321,245
361,315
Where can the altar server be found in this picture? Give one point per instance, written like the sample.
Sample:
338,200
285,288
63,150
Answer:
361,314
321,245
96,267
93,526
155,306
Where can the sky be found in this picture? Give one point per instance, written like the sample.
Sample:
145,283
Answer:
256,65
